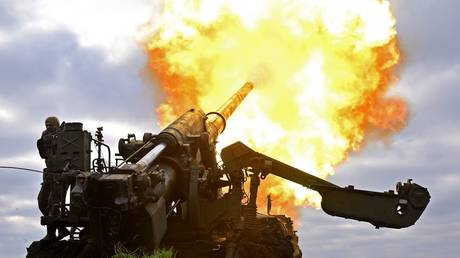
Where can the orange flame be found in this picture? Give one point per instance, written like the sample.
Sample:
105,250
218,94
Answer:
322,69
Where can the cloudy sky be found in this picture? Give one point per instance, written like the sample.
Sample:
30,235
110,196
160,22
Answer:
79,60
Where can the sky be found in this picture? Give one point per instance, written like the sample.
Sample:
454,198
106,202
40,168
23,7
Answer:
79,60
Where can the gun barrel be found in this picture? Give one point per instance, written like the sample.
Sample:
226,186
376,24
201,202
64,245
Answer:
191,123
216,121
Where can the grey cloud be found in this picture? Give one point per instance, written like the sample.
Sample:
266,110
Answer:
8,17
17,143
328,238
427,31
20,233
431,65
20,223
20,184
434,98
50,71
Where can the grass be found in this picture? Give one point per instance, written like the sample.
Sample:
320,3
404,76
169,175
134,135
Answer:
161,253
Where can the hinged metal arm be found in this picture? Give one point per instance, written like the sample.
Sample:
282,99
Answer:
387,209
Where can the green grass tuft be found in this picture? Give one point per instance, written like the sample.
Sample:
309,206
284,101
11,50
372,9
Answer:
161,253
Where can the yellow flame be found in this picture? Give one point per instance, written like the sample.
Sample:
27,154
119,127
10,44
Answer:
321,70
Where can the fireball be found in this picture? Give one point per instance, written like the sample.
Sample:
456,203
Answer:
321,68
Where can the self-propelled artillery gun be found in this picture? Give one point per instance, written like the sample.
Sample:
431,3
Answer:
169,190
